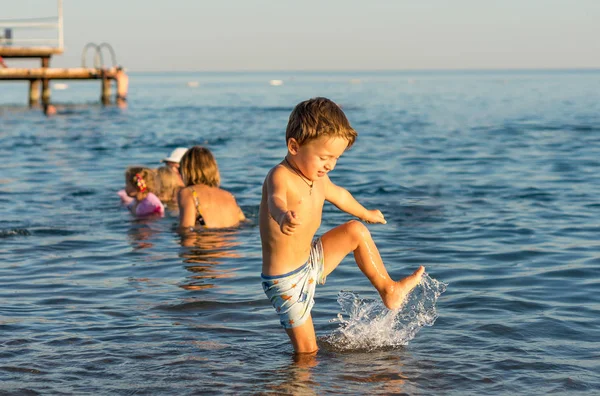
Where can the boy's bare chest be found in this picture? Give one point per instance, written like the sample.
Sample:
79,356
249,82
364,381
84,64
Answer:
306,203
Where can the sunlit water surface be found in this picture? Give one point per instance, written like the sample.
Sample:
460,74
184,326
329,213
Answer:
489,179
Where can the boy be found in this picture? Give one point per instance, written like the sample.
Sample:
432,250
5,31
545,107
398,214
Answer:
293,196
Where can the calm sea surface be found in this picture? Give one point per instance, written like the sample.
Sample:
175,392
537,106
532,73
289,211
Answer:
489,179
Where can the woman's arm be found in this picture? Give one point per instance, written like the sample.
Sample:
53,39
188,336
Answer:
187,209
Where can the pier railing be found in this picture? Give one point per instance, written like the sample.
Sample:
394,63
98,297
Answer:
33,32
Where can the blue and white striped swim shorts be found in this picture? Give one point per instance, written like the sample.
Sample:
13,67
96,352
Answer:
292,294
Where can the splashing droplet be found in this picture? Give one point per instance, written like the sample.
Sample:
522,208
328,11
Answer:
366,324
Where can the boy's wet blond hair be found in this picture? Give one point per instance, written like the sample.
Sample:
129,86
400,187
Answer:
169,183
148,178
318,117
198,166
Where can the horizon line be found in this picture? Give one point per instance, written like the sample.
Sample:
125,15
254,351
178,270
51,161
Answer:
513,69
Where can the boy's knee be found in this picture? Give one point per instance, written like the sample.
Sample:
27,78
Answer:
358,230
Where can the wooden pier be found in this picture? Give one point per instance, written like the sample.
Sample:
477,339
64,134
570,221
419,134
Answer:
15,47
39,78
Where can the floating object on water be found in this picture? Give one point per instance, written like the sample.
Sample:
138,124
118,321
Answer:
276,83
355,81
193,84
60,86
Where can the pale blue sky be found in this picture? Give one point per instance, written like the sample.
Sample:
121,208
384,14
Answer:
152,35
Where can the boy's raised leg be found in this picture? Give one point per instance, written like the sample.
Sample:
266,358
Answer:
303,337
354,236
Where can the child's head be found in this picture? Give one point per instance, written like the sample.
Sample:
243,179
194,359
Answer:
318,117
175,157
169,184
49,109
140,181
198,166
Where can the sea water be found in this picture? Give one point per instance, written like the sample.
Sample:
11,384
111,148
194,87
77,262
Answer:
488,179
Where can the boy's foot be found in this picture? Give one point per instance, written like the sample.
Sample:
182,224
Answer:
393,296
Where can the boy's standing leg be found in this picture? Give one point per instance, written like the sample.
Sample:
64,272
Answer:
303,337
354,236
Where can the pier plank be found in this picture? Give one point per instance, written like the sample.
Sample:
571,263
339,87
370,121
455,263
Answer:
76,73
28,52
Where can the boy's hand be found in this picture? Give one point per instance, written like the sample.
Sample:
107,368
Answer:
375,216
288,222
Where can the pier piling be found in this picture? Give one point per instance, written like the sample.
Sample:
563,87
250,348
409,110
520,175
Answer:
105,95
45,91
34,92
46,74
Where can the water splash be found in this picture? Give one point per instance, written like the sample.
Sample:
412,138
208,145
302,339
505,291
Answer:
368,324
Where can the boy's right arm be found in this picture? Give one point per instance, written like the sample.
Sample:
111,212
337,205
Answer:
277,202
342,199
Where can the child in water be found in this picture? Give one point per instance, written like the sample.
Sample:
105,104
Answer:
170,184
139,197
293,196
172,161
202,202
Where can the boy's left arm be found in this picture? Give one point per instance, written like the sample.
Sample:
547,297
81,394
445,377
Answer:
343,200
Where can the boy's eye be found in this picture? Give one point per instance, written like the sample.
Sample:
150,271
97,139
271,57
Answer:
323,158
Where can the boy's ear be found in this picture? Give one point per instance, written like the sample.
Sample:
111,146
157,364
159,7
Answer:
293,146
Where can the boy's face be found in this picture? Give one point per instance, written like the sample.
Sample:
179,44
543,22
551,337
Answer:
317,157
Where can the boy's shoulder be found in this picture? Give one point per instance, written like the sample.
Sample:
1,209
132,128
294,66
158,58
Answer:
278,172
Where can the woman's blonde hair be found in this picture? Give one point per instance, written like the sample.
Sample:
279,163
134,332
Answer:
144,179
169,183
198,166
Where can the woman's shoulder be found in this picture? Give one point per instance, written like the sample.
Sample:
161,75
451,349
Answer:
226,195
187,192
205,192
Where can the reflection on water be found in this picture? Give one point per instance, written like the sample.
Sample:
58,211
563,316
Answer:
141,233
297,378
204,251
383,371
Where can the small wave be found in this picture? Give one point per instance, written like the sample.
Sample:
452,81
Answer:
370,325
82,193
28,370
14,232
